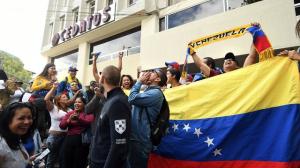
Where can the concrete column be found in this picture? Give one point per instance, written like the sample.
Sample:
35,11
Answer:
82,62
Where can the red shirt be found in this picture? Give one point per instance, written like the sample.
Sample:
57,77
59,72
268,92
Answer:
213,73
76,127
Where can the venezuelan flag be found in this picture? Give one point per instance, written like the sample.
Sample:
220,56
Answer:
248,118
261,43
260,40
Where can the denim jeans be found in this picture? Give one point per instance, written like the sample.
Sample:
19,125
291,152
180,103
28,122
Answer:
54,143
138,154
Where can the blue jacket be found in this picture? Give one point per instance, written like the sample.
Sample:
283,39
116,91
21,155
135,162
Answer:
64,86
151,99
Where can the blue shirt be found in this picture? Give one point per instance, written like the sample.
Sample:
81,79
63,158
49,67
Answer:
151,99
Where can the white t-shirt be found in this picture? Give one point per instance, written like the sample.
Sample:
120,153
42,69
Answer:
16,97
12,158
56,116
2,84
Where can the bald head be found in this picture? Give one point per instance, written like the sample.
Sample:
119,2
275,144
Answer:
112,75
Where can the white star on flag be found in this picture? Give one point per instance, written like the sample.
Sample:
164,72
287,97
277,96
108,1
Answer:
175,127
209,141
217,152
186,127
198,132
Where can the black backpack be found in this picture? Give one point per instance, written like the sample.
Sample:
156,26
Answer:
159,129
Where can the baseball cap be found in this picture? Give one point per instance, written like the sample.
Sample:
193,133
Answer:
72,68
172,64
229,55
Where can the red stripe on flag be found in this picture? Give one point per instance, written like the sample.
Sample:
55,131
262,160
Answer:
261,43
156,161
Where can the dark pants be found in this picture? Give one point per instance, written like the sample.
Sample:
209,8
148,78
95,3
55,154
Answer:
94,165
74,152
54,143
138,154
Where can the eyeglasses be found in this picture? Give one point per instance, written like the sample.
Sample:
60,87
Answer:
73,84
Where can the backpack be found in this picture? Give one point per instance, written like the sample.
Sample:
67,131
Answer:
159,129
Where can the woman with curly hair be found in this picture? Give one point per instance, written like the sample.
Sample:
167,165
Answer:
126,83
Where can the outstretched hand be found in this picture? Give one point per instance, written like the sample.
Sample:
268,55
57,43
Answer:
293,55
255,24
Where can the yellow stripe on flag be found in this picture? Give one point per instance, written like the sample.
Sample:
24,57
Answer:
255,87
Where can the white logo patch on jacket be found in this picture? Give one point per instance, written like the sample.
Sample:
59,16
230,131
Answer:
120,126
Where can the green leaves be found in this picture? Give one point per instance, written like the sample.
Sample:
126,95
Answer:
14,67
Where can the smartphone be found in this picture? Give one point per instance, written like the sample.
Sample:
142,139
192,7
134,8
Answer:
40,156
97,54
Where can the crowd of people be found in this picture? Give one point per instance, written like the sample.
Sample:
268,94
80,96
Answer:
106,125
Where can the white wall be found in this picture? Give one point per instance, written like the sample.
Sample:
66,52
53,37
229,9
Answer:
277,19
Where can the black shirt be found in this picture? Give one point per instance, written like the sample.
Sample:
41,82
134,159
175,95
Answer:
90,94
3,75
110,143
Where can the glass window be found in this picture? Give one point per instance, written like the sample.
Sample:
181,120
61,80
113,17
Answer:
297,9
110,47
55,3
62,22
50,32
63,62
91,6
65,2
162,24
131,2
195,13
75,14
232,4
172,2
251,1
109,2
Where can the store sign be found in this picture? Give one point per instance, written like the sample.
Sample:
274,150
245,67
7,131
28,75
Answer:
91,22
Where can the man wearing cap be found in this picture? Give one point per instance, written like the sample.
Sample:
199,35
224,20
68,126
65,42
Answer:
230,63
149,101
64,86
173,74
18,92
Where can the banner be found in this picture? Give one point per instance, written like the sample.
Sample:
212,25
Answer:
260,41
228,34
247,118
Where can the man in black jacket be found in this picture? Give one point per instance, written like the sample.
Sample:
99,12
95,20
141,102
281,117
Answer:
110,143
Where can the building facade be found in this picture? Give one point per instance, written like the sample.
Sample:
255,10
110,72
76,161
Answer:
155,31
